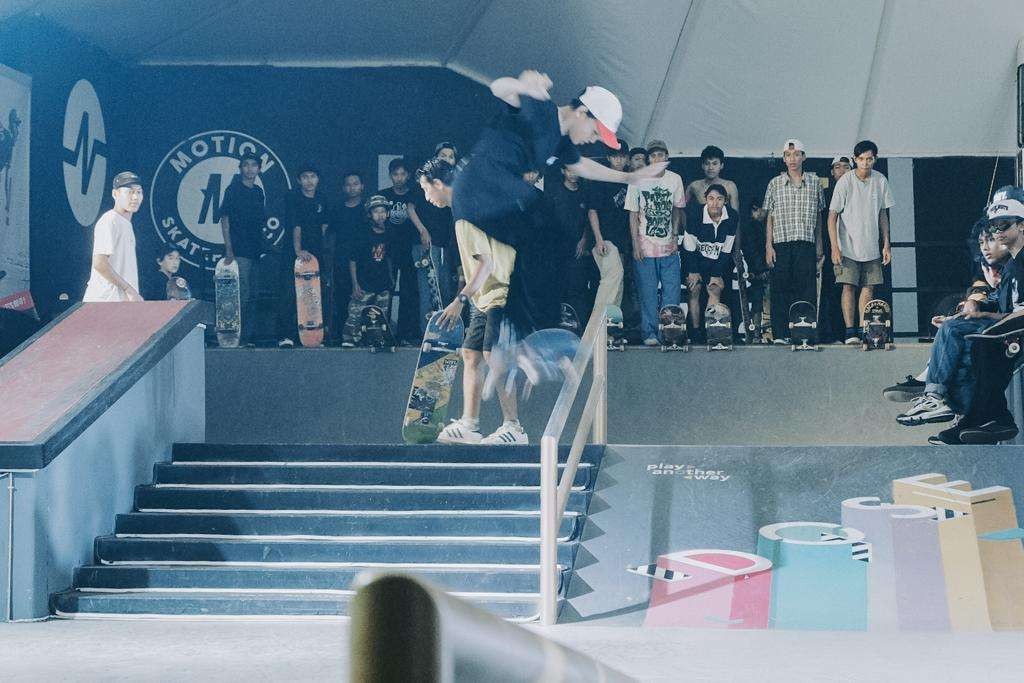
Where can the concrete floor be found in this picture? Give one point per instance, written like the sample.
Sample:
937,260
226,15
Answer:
306,651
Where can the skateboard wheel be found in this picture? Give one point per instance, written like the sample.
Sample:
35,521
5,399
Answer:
1013,348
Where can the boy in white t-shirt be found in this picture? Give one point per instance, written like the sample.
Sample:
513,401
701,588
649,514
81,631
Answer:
115,272
858,221
655,213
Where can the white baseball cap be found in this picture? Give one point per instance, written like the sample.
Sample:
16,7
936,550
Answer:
606,109
841,159
797,145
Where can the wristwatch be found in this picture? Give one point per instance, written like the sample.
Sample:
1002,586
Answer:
463,299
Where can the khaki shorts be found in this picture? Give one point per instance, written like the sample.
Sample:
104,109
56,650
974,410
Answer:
859,273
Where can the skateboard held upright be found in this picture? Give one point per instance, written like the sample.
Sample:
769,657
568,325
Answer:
308,304
616,335
877,330
718,327
228,304
672,329
742,281
431,391
427,264
803,326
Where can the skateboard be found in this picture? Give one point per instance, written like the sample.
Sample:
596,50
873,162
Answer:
742,280
374,332
803,326
1009,332
178,289
616,336
672,329
308,304
427,263
718,327
767,336
876,333
427,408
229,306
569,320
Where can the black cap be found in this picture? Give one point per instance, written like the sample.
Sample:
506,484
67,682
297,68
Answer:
637,150
126,179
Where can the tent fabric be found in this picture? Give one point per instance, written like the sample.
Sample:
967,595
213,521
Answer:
920,77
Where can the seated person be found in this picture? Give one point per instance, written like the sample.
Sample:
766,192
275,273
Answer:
988,419
370,269
707,250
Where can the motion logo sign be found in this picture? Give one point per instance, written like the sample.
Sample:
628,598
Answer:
188,191
85,148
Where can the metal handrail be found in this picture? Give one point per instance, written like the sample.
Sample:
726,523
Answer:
554,494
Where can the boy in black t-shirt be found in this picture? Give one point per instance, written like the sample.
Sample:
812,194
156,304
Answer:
243,216
370,268
347,219
306,215
406,230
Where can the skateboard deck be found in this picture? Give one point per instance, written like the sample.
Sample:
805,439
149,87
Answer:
431,392
876,333
672,329
718,327
616,335
569,320
1009,332
308,304
427,264
374,331
742,281
178,289
803,326
228,304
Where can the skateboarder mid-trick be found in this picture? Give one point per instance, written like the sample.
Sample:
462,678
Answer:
493,208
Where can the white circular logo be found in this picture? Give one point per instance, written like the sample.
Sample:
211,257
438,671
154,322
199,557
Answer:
188,190
85,147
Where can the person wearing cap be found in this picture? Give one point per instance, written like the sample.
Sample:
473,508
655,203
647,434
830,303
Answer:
243,216
115,271
656,218
988,420
793,247
858,219
609,222
712,162
370,268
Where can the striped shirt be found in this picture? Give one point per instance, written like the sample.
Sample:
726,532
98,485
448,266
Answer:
795,209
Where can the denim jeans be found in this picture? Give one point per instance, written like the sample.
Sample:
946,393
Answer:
442,266
950,368
649,272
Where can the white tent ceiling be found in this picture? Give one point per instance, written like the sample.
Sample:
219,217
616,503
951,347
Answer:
920,77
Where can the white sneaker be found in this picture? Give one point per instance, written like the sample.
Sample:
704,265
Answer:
347,345
924,409
508,434
850,341
459,431
650,341
285,343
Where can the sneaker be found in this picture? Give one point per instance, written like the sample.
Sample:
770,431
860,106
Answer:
990,432
508,434
905,391
285,344
949,436
460,431
650,341
347,345
782,341
851,341
924,409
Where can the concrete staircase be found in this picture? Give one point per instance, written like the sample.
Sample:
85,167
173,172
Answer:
282,531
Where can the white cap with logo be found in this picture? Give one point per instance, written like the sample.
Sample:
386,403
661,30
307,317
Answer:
606,109
794,143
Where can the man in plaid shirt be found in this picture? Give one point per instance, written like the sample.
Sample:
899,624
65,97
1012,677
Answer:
793,248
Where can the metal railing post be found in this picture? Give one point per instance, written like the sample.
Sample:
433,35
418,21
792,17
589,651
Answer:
548,530
600,428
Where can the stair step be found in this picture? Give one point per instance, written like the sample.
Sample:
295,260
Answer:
313,525
258,579
200,551
439,453
360,474
158,498
193,604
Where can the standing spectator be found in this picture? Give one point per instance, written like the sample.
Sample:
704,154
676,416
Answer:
707,251
406,230
243,216
655,208
794,202
370,268
831,327
712,162
637,158
750,242
569,230
609,222
440,228
858,219
305,213
171,285
348,220
115,271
